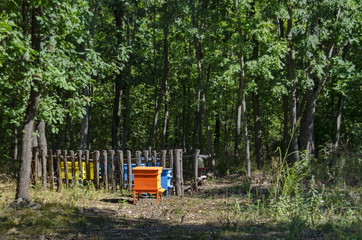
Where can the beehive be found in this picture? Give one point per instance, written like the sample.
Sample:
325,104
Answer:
147,180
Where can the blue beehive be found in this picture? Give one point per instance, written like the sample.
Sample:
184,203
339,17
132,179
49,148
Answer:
125,170
166,180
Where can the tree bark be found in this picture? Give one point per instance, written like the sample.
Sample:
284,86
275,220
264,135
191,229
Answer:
338,123
256,113
119,85
127,118
84,136
294,148
22,191
166,70
43,149
307,124
242,116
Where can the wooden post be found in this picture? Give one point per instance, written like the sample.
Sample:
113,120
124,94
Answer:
105,169
87,165
59,171
154,158
196,168
113,170
138,158
51,169
44,168
129,165
171,158
120,162
36,165
181,172
163,158
146,154
178,173
80,166
65,161
96,168
72,159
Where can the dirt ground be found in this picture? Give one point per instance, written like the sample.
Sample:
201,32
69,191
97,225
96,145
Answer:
198,215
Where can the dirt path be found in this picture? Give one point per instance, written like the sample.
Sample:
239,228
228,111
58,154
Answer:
201,215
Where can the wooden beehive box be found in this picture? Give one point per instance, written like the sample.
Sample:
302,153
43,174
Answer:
147,178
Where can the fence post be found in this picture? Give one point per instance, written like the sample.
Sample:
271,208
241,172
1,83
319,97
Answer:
44,168
138,158
87,165
171,159
196,168
120,161
178,173
65,161
154,158
36,164
113,169
129,165
146,154
51,169
59,171
72,159
105,169
163,158
96,168
80,166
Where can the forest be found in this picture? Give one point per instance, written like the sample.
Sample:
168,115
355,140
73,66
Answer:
261,87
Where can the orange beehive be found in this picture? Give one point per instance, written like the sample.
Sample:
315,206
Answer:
147,180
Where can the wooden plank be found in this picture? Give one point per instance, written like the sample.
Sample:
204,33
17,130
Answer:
113,170
96,168
36,165
138,158
105,169
44,168
181,171
51,169
120,162
146,155
80,165
154,158
177,174
87,165
129,165
171,158
59,171
72,160
196,168
163,158
65,162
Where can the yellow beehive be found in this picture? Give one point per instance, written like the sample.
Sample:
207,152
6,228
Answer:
77,172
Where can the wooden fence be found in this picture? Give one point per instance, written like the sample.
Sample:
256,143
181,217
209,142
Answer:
62,168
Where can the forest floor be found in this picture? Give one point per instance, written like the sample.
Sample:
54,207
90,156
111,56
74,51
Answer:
216,211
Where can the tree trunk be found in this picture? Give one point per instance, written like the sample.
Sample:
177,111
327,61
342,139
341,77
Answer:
22,191
257,132
166,70
119,85
127,118
84,135
307,124
242,116
27,145
256,113
293,149
338,123
117,106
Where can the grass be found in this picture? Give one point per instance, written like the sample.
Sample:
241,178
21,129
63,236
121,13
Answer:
226,208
